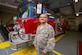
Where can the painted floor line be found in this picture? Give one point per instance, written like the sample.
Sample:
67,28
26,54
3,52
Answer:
57,39
56,52
4,44
26,51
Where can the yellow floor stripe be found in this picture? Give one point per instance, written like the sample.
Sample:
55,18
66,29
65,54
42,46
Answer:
4,44
56,52
59,37
26,51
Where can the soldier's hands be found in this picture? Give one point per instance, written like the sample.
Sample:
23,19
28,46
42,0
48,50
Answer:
35,46
44,53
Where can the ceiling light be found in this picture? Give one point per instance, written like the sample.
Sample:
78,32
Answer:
75,1
77,14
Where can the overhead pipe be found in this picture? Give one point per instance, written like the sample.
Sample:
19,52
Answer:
8,5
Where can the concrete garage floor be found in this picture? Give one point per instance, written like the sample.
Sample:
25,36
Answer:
68,45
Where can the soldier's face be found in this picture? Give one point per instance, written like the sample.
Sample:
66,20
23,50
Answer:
43,18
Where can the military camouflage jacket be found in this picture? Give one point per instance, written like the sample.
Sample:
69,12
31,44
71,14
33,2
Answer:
45,38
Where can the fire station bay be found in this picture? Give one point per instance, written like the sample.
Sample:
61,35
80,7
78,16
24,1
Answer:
40,27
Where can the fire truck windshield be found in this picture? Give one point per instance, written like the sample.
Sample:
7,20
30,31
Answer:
23,11
25,14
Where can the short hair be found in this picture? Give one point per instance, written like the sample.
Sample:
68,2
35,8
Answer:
45,15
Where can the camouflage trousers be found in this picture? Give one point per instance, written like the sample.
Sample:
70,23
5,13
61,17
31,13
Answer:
39,51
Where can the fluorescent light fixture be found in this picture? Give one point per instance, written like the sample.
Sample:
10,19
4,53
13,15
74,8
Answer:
48,13
29,0
51,17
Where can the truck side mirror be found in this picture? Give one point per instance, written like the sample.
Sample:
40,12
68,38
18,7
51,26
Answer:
14,18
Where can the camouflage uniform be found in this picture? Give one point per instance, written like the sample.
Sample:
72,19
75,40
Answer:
44,39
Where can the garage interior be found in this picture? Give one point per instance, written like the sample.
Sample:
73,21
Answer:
71,10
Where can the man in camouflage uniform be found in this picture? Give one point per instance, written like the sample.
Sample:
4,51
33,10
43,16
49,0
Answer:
44,41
